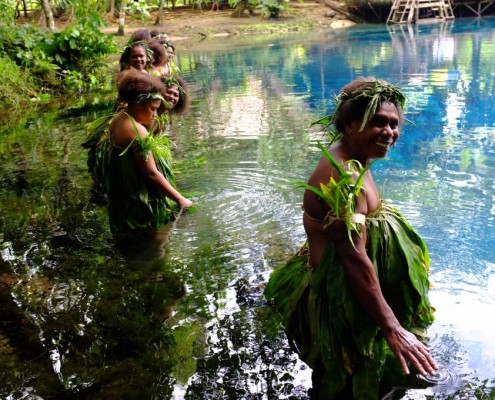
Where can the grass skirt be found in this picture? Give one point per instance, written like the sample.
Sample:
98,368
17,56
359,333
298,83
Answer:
327,326
133,203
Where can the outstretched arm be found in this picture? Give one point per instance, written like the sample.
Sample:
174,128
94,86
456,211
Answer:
156,178
366,287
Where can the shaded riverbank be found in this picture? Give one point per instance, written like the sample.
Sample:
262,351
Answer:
189,25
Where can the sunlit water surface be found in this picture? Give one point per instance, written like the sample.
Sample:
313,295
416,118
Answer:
184,317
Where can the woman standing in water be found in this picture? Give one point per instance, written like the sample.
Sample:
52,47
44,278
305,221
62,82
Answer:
137,166
355,297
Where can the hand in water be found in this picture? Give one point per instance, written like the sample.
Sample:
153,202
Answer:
408,348
185,203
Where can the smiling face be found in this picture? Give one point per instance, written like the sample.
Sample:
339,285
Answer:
172,96
170,53
378,135
138,58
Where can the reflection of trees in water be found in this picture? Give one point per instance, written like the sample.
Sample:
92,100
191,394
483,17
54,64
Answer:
20,173
65,290
247,357
108,323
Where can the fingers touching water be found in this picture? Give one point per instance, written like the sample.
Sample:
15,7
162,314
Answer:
407,347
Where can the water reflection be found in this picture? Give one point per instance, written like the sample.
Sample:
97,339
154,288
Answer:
185,318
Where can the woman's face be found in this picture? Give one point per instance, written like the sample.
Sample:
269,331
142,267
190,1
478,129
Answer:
169,53
137,58
146,112
172,96
379,134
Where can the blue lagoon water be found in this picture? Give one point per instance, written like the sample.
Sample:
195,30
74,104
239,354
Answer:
189,321
440,175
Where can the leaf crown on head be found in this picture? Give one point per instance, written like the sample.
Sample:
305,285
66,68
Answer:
144,43
170,80
145,97
371,92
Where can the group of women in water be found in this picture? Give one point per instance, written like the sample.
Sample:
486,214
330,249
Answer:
354,299
129,152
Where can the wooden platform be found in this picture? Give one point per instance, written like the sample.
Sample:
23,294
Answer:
411,11
476,7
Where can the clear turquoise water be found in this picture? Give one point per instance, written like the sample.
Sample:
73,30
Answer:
84,320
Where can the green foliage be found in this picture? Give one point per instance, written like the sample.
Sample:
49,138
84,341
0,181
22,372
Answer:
8,11
12,76
247,3
44,59
341,195
273,8
81,9
139,9
21,45
23,38
81,47
75,81
268,8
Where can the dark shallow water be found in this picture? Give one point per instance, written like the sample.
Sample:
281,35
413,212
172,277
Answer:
184,318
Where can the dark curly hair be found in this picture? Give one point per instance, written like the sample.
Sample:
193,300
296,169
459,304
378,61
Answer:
134,85
159,56
140,35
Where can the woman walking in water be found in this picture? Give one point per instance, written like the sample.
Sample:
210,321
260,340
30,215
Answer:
355,297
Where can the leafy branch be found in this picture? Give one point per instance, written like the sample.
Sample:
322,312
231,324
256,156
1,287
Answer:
341,195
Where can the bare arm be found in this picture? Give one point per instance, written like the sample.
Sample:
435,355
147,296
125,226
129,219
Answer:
365,285
156,178
148,165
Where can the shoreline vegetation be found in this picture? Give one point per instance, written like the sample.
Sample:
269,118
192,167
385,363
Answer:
189,25
46,70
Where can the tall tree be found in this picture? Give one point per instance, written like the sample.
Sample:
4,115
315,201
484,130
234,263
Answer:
158,20
123,6
47,10
111,8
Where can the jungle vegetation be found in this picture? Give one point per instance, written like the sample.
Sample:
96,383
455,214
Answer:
39,60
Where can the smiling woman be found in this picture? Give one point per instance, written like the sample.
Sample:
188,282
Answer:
134,165
135,55
349,318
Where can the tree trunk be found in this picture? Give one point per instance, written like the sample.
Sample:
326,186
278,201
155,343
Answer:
341,11
158,20
47,9
238,12
111,8
123,6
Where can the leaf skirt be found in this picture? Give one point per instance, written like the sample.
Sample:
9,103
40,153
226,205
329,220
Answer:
326,325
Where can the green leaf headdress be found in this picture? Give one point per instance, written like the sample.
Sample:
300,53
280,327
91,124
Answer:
167,43
161,36
372,92
145,97
170,80
144,43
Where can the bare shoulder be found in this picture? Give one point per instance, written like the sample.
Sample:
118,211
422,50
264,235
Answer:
123,130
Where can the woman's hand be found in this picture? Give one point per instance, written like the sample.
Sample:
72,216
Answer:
408,348
185,203
366,287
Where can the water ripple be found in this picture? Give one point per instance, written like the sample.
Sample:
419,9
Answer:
444,376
